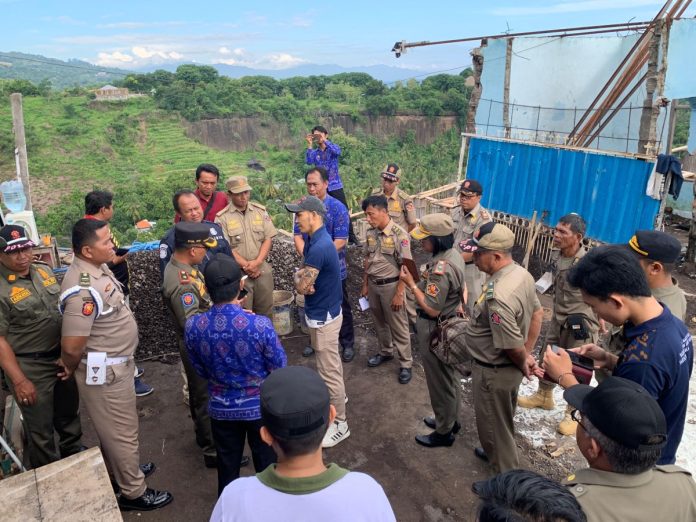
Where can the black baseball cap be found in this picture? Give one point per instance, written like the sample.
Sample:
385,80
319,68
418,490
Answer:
308,203
188,234
294,402
622,410
222,270
655,245
391,172
471,186
13,238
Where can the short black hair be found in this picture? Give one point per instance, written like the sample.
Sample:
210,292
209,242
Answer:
520,495
207,167
322,172
178,194
224,294
298,446
375,202
84,233
609,269
320,129
96,200
575,222
441,243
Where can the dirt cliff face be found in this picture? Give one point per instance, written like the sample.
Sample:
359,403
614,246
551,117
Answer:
239,134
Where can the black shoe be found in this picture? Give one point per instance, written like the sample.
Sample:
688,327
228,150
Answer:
151,499
481,454
308,351
378,359
405,375
210,461
148,468
348,354
435,440
430,423
244,461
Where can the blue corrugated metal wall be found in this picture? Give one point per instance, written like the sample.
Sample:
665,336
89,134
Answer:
608,191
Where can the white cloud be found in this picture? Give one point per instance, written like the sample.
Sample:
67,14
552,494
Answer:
140,25
573,7
283,60
239,52
224,50
144,53
114,59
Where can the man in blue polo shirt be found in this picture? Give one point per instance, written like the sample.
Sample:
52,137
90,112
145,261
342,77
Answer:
658,352
317,279
336,222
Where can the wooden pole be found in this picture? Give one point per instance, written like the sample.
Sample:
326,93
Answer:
21,144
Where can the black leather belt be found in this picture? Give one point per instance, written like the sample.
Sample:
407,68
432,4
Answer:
386,281
53,354
494,366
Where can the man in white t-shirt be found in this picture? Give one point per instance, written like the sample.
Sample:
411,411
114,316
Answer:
296,412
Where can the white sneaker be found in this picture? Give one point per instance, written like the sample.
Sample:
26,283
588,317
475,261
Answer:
337,432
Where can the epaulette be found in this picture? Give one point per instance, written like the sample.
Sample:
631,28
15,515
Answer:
85,280
257,205
490,290
376,192
184,278
440,267
485,214
220,213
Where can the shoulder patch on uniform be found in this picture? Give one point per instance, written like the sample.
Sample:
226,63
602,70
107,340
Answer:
440,267
404,243
88,308
188,299
85,279
432,290
495,318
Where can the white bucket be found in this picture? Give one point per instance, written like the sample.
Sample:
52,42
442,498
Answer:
282,316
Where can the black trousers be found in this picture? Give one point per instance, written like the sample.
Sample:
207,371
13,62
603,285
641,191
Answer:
346,336
229,439
340,195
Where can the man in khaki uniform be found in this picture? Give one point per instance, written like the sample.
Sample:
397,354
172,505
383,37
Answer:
438,295
29,348
504,327
400,204
387,249
573,323
184,292
621,435
249,230
96,320
468,218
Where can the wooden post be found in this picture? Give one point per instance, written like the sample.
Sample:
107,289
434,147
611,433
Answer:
20,144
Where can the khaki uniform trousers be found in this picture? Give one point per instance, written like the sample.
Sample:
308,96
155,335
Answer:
391,326
474,280
260,297
57,407
198,403
411,308
495,400
442,380
325,343
112,409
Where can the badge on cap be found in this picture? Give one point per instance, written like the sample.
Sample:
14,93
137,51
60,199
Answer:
15,234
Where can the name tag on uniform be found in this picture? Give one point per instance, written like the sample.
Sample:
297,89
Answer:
544,282
96,368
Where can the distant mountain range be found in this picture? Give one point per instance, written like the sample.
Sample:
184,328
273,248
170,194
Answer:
62,74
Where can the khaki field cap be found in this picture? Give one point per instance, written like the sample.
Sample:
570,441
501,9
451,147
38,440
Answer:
237,184
433,225
491,236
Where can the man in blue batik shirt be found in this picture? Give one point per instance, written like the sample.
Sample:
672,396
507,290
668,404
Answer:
336,222
234,350
326,155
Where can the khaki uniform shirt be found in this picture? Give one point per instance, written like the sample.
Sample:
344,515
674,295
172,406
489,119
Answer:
400,207
94,306
29,316
673,297
664,493
502,315
567,299
246,231
386,249
184,292
442,282
466,224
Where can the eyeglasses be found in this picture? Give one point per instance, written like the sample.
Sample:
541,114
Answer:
467,196
577,417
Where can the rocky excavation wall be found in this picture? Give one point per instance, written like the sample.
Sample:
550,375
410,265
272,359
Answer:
239,134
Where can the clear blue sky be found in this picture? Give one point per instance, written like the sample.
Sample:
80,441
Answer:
279,34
